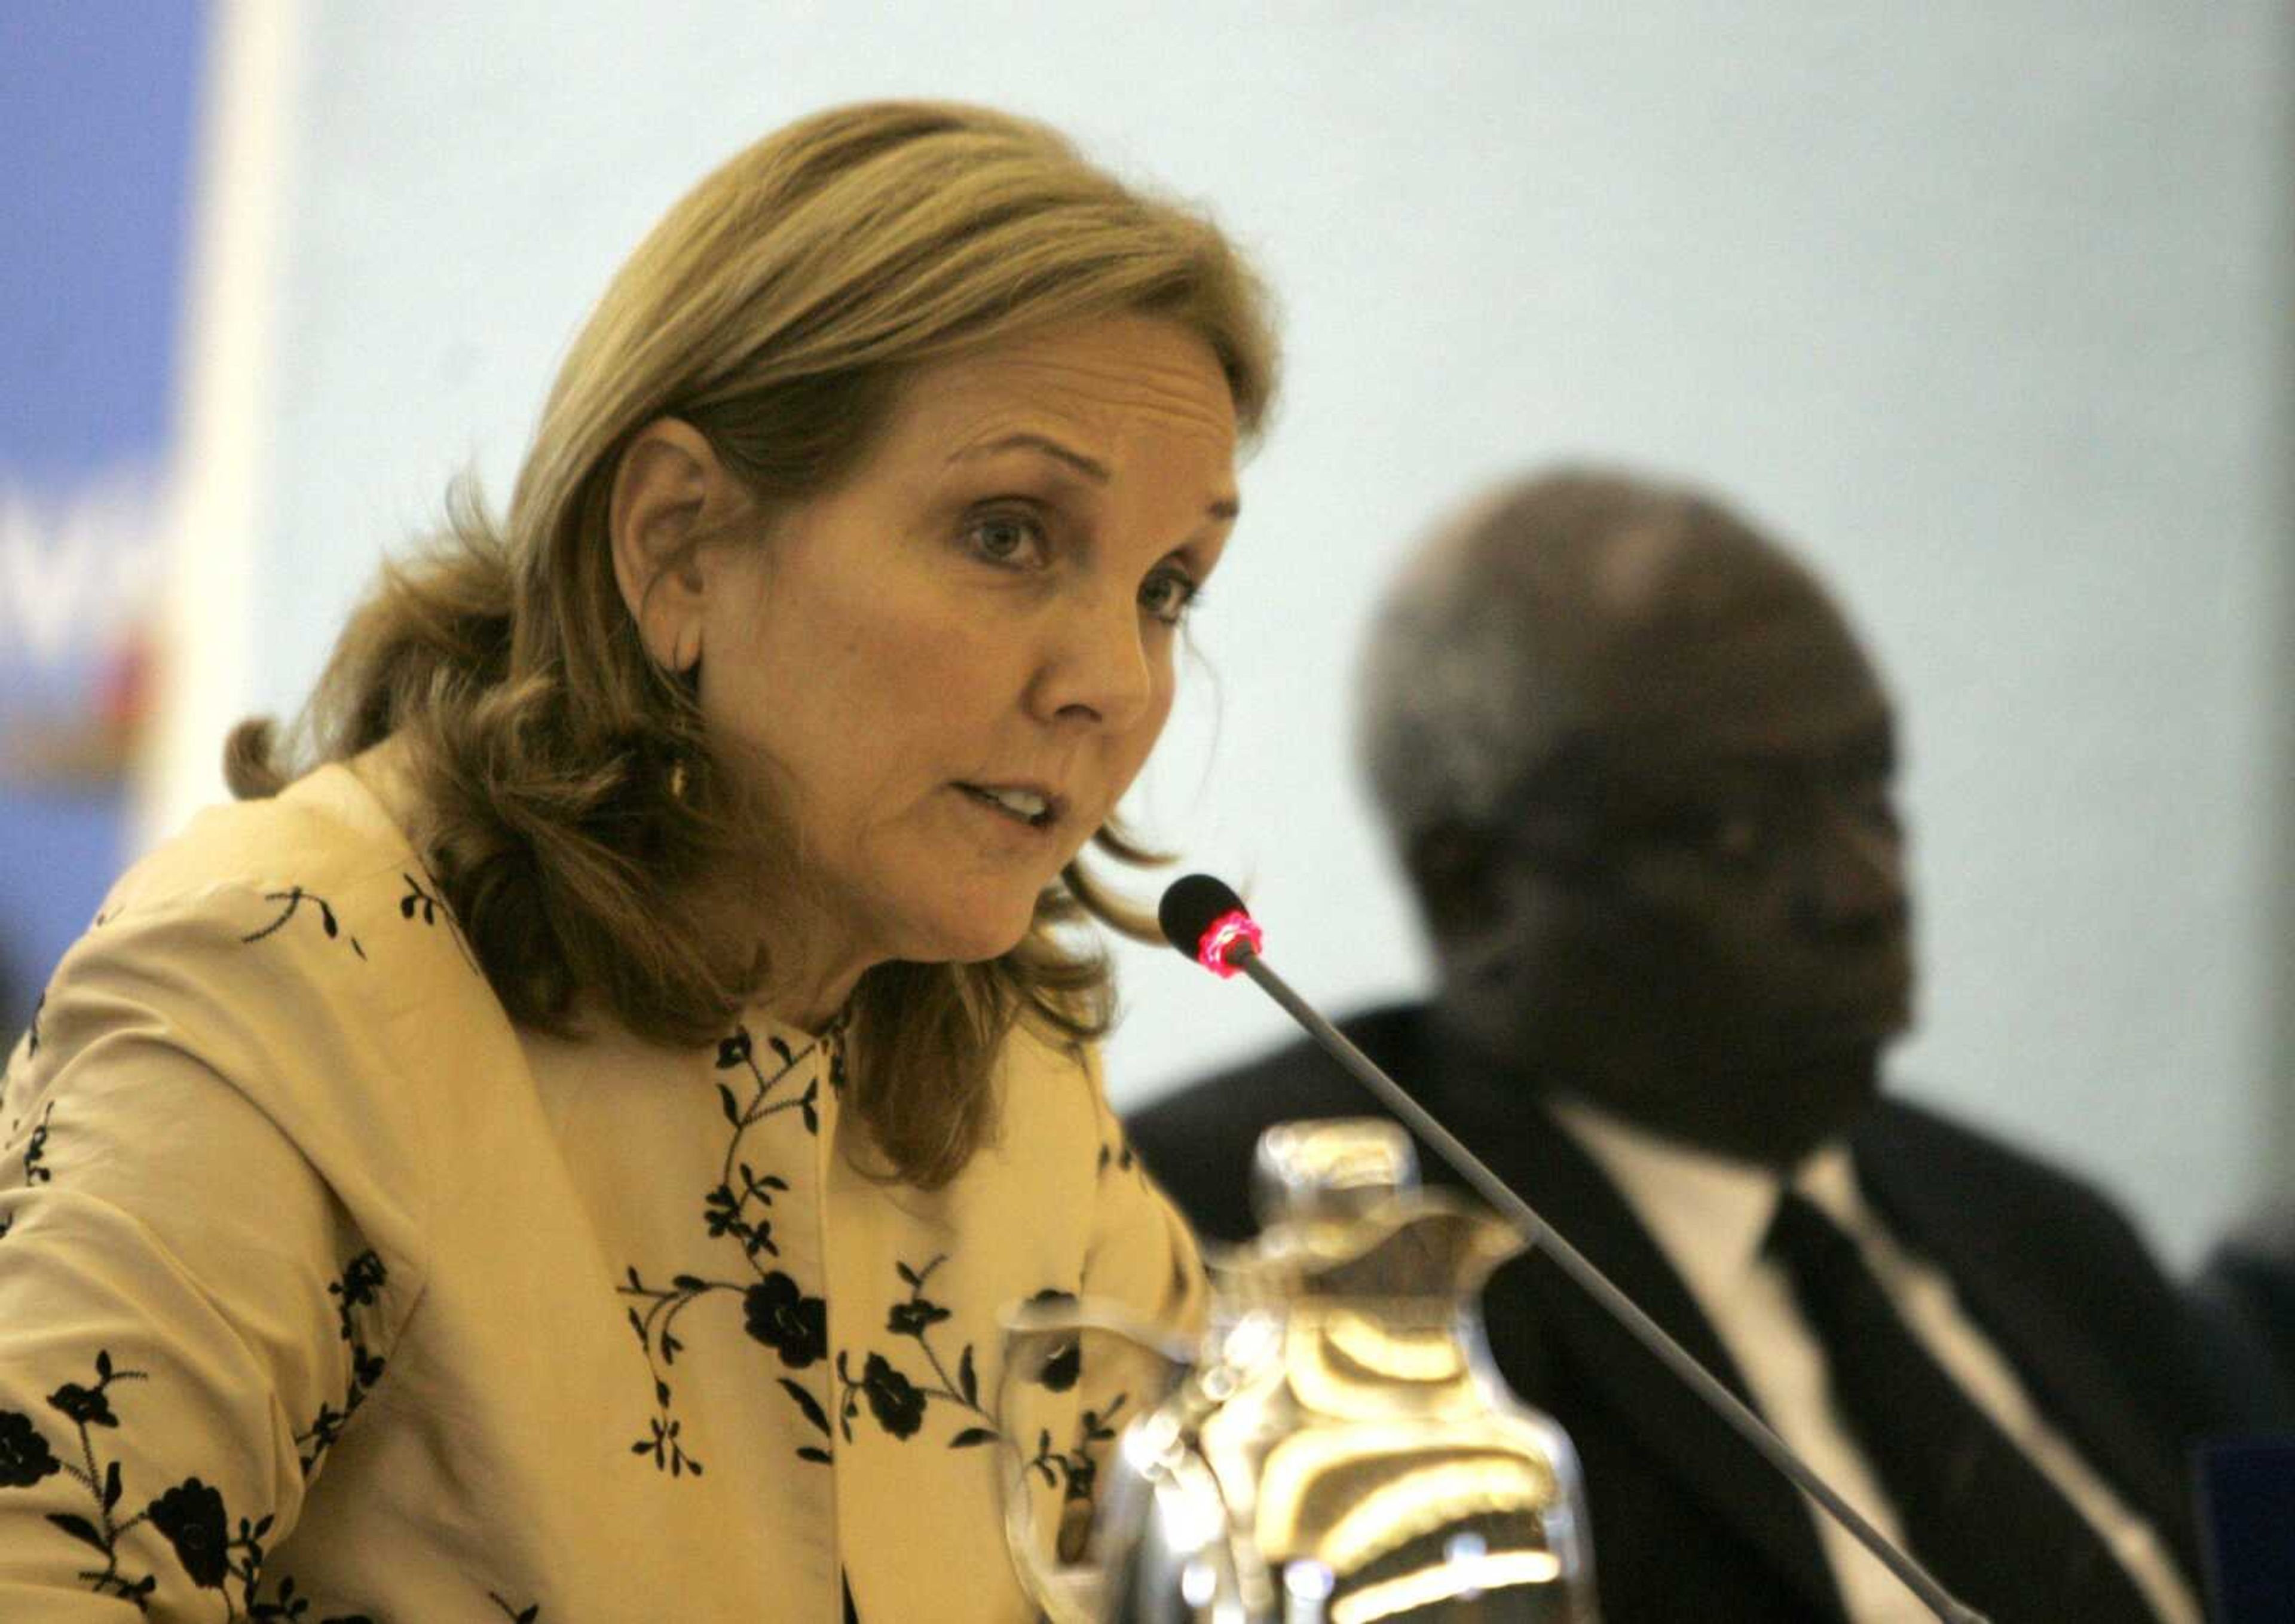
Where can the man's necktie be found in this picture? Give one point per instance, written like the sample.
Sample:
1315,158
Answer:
1976,1510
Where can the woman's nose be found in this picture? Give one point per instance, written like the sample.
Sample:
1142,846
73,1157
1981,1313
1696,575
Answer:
1098,669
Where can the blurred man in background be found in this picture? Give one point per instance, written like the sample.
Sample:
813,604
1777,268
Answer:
1640,772
2246,1298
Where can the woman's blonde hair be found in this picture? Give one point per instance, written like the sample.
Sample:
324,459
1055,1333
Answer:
570,809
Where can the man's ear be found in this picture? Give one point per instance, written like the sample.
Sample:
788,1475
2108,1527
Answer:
670,494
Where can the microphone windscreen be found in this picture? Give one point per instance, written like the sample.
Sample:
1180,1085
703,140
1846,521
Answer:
1191,905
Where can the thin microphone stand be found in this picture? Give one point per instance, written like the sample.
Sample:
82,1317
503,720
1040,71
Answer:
1493,1189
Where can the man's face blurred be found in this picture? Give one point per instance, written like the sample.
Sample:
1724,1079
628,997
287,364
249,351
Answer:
1705,894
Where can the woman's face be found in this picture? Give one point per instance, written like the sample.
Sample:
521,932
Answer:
945,671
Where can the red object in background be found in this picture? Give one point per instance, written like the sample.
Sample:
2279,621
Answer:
123,688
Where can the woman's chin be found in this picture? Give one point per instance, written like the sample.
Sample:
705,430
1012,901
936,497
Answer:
988,930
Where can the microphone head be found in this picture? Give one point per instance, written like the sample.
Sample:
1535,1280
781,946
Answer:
1203,917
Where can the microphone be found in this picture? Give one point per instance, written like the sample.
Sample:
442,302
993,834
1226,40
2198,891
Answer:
1205,919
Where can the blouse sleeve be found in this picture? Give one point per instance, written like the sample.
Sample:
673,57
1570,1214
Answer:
1141,1257
1141,1253
206,1251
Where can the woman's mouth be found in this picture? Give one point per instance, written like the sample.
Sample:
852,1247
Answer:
1030,807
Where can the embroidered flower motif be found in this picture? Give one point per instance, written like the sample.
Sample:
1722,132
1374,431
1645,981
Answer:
774,1308
362,1278
893,1399
898,1400
418,900
361,1286
912,1318
292,900
25,1458
291,1606
780,1316
36,1148
84,1405
88,1406
1061,1370
1083,1476
192,1515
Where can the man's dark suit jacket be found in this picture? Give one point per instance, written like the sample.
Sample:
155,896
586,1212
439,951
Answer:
1688,1520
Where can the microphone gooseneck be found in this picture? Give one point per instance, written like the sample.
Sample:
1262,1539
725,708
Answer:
1205,921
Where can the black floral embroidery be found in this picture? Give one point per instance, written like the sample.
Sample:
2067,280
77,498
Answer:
901,1403
897,1400
32,1035
364,1279
199,1529
25,1458
776,1311
725,1212
1075,1471
85,1407
289,1607
795,1326
899,1407
360,1287
914,1319
36,1152
519,1615
1064,1367
418,899
422,902
809,1408
214,1552
192,1517
293,898
666,1447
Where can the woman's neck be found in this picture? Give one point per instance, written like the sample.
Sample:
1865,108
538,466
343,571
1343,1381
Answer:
811,962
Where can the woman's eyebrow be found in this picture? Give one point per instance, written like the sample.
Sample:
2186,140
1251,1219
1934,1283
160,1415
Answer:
1090,468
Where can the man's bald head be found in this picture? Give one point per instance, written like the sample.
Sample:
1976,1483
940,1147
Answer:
1639,768
1532,614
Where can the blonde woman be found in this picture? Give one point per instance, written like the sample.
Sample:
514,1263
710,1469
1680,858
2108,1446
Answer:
558,1149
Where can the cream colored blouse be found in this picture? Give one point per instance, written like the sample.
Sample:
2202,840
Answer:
328,1294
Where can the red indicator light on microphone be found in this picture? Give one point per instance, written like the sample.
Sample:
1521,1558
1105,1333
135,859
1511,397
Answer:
1222,936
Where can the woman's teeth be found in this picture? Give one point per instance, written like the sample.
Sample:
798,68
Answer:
1022,803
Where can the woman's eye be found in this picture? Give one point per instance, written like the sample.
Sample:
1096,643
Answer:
1008,539
1167,595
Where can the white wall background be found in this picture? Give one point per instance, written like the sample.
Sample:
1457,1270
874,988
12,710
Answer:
1985,303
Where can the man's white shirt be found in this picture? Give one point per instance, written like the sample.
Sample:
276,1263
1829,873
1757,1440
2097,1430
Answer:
1709,1214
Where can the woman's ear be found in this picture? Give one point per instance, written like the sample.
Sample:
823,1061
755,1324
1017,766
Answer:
670,493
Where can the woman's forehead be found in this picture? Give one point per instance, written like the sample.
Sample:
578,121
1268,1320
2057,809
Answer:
1095,389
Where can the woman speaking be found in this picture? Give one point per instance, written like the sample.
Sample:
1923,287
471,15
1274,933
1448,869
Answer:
557,1147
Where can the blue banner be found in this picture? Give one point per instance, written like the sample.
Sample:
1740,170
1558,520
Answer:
98,119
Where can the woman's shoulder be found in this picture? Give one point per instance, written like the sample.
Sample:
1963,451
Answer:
301,923
288,953
322,876
326,832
